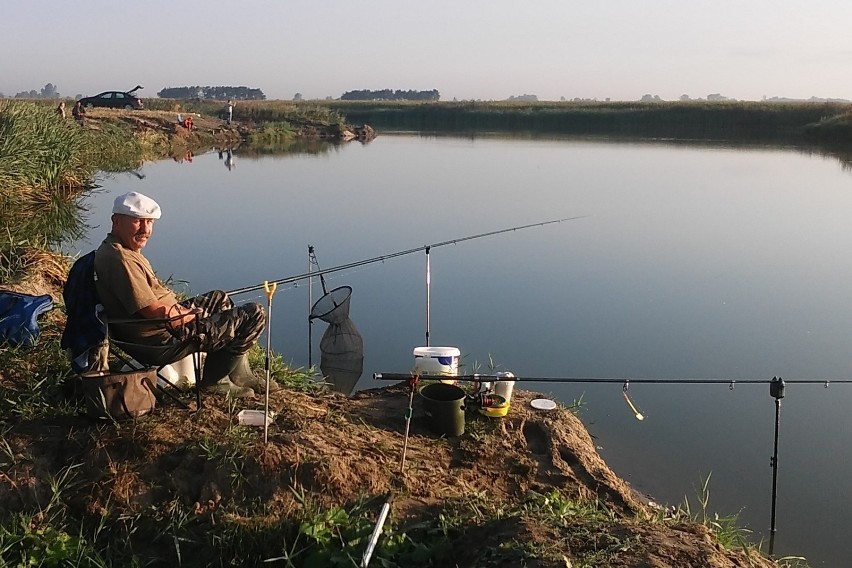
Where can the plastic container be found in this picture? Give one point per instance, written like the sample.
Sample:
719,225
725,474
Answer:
437,361
253,417
504,388
444,408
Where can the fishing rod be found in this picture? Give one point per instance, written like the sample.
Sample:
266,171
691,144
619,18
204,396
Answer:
479,377
359,263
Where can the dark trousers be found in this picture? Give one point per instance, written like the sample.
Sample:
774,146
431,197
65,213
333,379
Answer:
222,326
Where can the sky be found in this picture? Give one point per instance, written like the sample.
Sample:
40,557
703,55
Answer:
466,49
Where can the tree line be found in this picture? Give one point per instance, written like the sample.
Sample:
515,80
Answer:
49,91
390,95
221,93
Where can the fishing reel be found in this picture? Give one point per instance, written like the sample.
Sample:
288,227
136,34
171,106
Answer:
484,399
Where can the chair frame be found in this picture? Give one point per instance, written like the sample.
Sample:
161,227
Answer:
134,355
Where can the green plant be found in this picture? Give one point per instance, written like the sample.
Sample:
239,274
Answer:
37,379
727,531
29,540
298,379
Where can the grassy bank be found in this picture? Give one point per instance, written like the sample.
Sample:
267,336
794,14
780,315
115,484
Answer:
295,114
684,120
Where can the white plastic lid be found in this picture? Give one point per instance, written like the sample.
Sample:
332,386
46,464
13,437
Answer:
436,352
543,404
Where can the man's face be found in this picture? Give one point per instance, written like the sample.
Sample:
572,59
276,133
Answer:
132,232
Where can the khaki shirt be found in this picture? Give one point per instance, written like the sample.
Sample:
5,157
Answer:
126,283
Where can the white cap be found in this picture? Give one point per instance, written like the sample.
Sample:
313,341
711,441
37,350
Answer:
136,205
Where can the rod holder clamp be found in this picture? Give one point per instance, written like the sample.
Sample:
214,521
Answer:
412,381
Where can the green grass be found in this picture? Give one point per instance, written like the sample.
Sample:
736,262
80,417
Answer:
261,112
726,528
43,169
36,383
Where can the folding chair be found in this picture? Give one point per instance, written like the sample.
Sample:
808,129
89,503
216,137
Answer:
88,339
138,356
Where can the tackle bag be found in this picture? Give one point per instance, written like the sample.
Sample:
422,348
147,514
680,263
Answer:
122,395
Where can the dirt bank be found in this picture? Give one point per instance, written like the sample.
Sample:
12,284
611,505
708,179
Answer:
162,135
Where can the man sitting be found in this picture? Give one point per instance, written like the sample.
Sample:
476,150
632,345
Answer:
128,289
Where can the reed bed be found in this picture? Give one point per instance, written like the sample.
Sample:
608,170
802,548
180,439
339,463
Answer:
43,169
683,120
295,113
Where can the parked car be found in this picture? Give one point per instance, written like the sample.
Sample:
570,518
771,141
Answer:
113,99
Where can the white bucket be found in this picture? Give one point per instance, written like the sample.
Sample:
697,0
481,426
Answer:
431,361
181,373
503,387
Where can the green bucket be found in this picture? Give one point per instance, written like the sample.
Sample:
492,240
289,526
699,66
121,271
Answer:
444,406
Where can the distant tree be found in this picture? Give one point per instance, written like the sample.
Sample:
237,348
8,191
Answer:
651,98
684,98
523,97
297,97
49,92
220,93
389,95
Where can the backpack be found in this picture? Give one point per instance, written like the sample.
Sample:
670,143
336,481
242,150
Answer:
85,334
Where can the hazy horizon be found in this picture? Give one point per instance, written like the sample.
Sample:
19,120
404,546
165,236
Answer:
618,50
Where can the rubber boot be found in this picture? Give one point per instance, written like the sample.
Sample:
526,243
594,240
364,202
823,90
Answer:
215,380
243,376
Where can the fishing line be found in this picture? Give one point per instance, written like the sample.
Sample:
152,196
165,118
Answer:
310,274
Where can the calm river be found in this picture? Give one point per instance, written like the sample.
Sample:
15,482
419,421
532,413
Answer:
691,262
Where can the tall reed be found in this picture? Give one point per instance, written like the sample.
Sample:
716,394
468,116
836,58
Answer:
680,120
43,168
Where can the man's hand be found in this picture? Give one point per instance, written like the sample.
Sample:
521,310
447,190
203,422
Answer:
160,310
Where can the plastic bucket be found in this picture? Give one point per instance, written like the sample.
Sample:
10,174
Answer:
503,387
444,407
437,361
